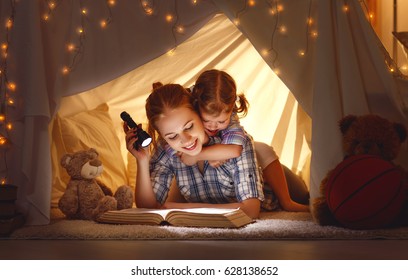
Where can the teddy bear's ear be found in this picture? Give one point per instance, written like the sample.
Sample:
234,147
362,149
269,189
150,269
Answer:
65,160
92,150
401,131
346,122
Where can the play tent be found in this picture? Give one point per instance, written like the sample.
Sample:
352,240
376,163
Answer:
71,67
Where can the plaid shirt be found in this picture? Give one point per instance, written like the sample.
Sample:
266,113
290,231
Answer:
234,133
236,180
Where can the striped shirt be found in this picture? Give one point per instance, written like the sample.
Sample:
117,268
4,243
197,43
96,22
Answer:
236,180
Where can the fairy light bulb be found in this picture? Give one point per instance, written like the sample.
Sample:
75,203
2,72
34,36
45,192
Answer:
345,8
3,140
264,52
70,47
301,53
251,3
65,70
9,24
2,118
103,23
84,11
283,29
169,17
180,29
9,126
111,2
11,86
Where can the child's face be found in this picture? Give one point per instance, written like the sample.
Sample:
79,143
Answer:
183,130
213,124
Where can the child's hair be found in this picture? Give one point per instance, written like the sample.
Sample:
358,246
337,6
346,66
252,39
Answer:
215,92
162,97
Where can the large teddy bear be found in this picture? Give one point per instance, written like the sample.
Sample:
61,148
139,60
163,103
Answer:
85,197
363,135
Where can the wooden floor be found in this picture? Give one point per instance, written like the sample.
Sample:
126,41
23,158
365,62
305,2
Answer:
203,250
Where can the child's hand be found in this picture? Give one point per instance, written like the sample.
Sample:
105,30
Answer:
216,163
187,160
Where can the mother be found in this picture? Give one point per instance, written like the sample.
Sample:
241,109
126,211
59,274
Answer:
177,128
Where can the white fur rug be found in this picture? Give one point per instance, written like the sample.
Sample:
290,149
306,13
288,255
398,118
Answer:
271,225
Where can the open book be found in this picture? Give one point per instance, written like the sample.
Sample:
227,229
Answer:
194,217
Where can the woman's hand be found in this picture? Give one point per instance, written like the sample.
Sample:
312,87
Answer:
131,138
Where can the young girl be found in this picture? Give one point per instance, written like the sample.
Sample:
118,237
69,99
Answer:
173,121
215,98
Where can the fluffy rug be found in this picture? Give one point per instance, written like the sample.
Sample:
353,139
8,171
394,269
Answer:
270,226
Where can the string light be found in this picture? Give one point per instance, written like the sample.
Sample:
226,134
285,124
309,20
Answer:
6,89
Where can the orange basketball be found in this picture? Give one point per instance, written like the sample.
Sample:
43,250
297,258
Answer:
365,192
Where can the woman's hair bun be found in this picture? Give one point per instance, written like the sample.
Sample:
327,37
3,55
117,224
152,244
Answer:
156,85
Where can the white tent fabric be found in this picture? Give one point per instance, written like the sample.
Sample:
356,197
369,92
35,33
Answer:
323,50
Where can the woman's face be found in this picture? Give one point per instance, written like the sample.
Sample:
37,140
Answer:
183,130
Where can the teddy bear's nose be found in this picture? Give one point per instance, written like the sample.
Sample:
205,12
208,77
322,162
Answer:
95,162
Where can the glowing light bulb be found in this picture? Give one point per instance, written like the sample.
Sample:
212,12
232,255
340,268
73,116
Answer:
65,70
11,86
171,52
236,21
251,3
70,47
283,29
180,29
265,52
10,102
9,126
345,8
3,181
84,11
169,18
9,23
3,140
46,17
2,118
149,11
103,23
111,2
80,30
4,46
301,53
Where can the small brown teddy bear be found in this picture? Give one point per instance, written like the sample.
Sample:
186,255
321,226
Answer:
85,197
362,135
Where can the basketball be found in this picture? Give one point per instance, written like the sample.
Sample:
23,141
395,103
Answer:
365,192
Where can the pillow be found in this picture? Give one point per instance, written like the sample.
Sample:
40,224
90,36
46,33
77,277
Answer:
89,129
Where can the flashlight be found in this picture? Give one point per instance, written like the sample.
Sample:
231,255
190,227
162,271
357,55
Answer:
143,138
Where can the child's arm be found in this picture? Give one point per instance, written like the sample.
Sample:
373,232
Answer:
216,154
